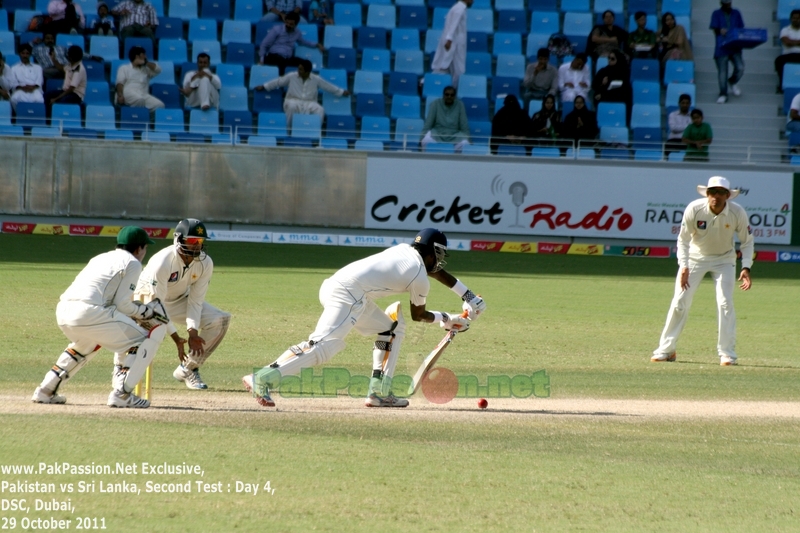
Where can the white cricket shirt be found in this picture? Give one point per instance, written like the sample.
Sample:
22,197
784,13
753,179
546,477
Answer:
706,237
107,280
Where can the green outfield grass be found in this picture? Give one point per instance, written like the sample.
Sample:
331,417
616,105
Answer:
589,322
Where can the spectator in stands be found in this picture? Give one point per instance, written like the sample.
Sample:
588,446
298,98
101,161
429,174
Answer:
278,9
26,79
5,79
678,121
793,120
574,79
724,20
65,17
304,86
137,18
790,39
451,51
74,88
605,37
581,123
612,83
697,137
546,123
201,86
642,42
320,14
104,23
446,121
673,40
50,56
511,125
277,48
133,81
541,78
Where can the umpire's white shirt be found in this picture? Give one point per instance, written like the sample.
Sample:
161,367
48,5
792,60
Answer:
396,270
706,237
167,277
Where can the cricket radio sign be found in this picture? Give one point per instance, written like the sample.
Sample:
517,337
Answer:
506,196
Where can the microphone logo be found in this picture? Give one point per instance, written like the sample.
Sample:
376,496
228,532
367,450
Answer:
518,191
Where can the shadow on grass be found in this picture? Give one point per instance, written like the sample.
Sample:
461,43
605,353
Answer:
781,367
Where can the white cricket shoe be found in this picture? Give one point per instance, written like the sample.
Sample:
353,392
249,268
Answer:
735,91
725,360
722,99
663,357
265,400
41,396
191,378
121,399
373,400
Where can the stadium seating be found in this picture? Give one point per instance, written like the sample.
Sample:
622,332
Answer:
169,120
678,71
376,60
374,129
403,83
381,16
646,116
368,82
479,64
374,38
347,14
100,117
204,122
611,114
405,107
235,31
405,39
66,116
409,61
546,22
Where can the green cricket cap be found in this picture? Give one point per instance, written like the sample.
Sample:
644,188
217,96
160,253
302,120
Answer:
134,235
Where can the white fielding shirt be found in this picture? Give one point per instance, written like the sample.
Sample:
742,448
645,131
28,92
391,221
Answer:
395,270
167,278
706,237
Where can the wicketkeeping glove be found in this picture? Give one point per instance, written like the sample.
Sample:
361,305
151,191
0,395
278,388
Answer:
152,315
473,305
454,321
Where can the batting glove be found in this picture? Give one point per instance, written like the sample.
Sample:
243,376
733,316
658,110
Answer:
473,305
456,322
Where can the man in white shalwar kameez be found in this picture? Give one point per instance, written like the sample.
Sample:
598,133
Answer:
451,52
27,79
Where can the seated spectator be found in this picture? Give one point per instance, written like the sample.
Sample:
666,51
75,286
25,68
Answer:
511,125
104,23
612,83
277,48
5,79
642,42
541,78
65,17
605,37
793,120
674,43
133,81
26,79
697,137
303,91
137,18
278,9
320,14
74,88
790,39
201,86
580,124
574,79
678,121
546,123
446,121
50,56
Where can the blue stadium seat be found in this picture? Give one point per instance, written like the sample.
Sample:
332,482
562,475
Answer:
219,10
231,75
581,153
97,92
534,107
203,29
403,83
237,123
212,48
651,24
337,77
512,150
169,28
233,99
507,43
172,50
105,47
310,32
5,113
409,61
645,70
502,86
415,3
413,17
476,42
30,114
337,105
250,10
306,126
785,8
368,145
261,74
545,152
134,118
614,134
648,6
576,6
509,5
381,16
22,18
434,84
648,155
45,131
511,21
338,36
647,138
480,131
221,138
480,20
405,107
272,124
676,156
374,129
368,82
267,101
3,20
479,64
346,14
262,28
475,149
204,122
167,93
615,153
791,75
100,118
674,90
184,137
577,27
118,135
344,58
679,71
370,104
167,74
405,39
471,86
646,92
608,5
236,31
371,38
156,136
510,66
14,5
262,140
536,41
677,7
546,22
95,70
376,60
611,114
66,115
340,127
67,39
408,131
333,144
477,108
432,41
646,116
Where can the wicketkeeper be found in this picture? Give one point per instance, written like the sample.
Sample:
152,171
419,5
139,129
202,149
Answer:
98,310
179,276
348,298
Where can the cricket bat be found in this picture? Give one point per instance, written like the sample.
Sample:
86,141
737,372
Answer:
431,359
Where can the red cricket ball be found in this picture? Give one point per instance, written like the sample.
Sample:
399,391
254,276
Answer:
482,403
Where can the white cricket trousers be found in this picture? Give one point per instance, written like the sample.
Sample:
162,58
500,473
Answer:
347,308
213,325
88,326
724,276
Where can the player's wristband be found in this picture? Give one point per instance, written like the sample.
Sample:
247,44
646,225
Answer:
439,317
459,288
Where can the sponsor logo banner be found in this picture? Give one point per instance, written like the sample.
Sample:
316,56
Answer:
305,238
50,229
639,251
586,249
789,257
486,246
17,227
552,248
240,236
83,229
519,247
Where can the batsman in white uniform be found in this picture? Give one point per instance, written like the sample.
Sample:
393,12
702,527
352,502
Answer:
98,310
705,244
179,276
348,298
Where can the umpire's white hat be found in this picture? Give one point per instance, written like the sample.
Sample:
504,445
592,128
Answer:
718,182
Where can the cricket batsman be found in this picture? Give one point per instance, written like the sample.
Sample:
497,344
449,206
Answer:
348,298
179,276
